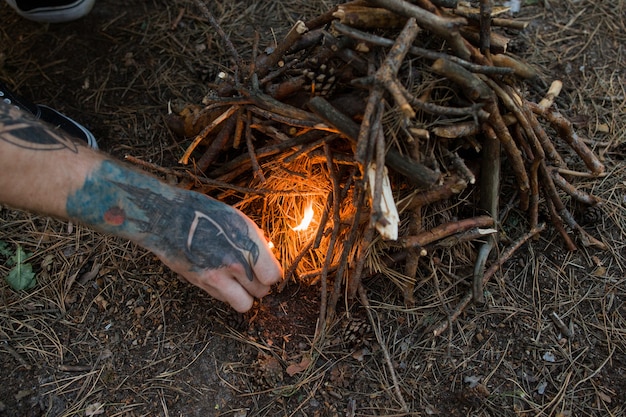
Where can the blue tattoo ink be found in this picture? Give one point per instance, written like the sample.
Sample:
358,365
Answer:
175,222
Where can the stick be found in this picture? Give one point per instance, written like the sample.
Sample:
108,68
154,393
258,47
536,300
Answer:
552,155
388,71
412,257
242,163
497,43
256,169
488,274
557,222
513,102
348,246
550,188
265,62
569,135
265,102
473,87
202,135
461,168
216,26
485,27
479,270
440,110
189,176
417,173
376,215
534,193
446,28
489,197
551,95
363,145
509,23
362,16
451,186
217,145
514,154
519,68
383,347
445,230
239,128
333,240
565,331
422,52
577,194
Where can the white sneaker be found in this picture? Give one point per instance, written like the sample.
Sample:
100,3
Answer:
52,11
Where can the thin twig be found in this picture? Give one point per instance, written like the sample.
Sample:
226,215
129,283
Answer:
421,52
256,169
216,26
383,346
505,256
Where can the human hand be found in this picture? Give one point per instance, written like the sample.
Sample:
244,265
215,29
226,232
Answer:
218,249
209,243
227,256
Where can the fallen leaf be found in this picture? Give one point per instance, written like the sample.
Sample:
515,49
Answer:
605,398
603,128
359,355
101,302
599,271
21,277
297,368
94,409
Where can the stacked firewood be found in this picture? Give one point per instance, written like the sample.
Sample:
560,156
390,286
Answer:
373,114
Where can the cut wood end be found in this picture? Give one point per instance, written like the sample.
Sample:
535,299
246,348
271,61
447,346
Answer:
300,27
407,110
419,133
551,95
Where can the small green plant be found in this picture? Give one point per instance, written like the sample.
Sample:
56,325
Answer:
21,275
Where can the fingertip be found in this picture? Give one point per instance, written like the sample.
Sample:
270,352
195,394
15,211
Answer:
242,306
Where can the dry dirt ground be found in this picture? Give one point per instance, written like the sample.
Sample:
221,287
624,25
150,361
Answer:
109,331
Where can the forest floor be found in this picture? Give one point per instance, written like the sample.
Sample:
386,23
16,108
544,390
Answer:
108,330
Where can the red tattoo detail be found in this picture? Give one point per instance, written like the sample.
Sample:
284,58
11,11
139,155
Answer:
114,216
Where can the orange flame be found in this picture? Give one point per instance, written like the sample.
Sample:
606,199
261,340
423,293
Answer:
306,220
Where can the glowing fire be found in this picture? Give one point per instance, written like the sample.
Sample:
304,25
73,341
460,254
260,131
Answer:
306,220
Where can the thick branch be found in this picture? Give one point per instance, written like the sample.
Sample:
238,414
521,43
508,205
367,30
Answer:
445,230
446,28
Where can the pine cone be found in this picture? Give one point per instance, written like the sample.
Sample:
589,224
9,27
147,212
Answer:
356,331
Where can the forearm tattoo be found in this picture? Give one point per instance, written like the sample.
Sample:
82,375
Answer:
175,223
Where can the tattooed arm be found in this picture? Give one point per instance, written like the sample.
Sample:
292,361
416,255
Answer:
209,243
